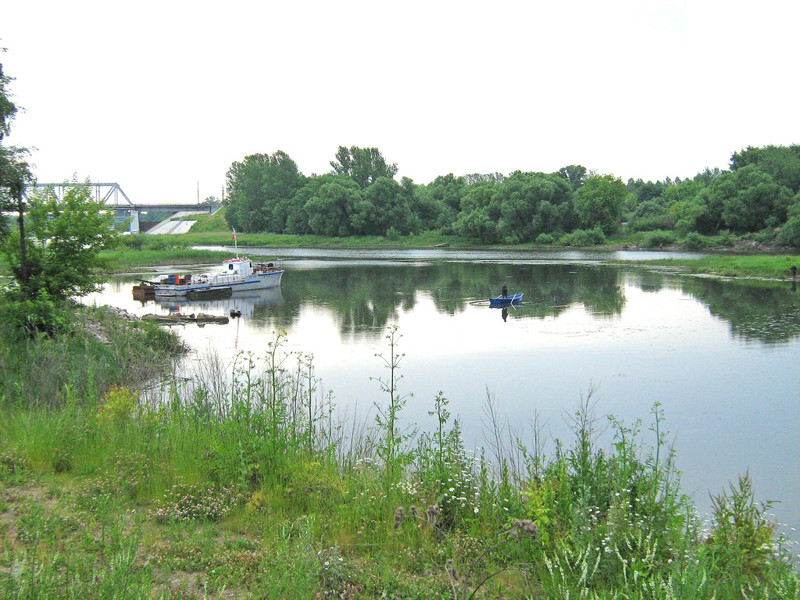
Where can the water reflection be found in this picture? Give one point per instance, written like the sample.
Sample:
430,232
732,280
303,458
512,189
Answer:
766,312
248,303
364,298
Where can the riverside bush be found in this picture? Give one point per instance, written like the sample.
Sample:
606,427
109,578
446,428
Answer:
583,237
694,241
654,239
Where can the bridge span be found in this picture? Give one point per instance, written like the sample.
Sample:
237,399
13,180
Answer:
140,216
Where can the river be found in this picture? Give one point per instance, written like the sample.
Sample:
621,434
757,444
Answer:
720,357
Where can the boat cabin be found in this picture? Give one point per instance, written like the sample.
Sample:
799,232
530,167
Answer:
237,266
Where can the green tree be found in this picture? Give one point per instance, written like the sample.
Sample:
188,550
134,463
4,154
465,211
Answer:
531,204
260,189
599,202
782,163
383,206
790,231
446,192
422,212
65,238
330,205
750,199
479,225
574,174
363,165
8,109
15,172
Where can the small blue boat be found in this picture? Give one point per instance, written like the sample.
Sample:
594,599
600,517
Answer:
505,301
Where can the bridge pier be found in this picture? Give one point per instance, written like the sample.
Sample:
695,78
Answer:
134,225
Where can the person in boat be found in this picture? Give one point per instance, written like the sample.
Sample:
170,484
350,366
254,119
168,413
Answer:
504,292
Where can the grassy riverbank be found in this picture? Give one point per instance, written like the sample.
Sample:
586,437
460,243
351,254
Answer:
755,266
251,488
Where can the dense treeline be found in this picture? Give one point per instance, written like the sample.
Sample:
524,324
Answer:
759,197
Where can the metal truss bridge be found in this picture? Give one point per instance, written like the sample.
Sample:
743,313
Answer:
113,196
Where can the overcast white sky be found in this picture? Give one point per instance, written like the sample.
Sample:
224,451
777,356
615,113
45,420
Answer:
162,96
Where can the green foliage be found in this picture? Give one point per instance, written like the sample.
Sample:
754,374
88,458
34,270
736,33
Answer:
390,447
789,234
546,239
741,538
447,471
31,316
259,190
581,237
656,239
65,239
599,202
694,241
652,223
750,199
99,351
329,207
363,165
361,198
15,172
574,174
782,163
117,407
58,258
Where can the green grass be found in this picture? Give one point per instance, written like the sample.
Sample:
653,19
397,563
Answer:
730,265
244,488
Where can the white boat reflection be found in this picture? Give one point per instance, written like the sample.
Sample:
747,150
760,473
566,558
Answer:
240,303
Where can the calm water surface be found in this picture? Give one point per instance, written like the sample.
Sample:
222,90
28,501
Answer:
721,357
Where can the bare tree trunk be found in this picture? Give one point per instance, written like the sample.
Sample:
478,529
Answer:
23,256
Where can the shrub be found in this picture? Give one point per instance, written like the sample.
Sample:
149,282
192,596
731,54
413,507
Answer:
653,223
657,238
117,407
583,237
33,316
694,240
741,534
765,236
726,239
790,232
546,239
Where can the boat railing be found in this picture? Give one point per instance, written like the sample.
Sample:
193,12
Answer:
267,267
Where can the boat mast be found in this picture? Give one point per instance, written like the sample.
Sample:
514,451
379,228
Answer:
235,246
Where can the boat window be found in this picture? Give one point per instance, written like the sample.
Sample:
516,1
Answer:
230,267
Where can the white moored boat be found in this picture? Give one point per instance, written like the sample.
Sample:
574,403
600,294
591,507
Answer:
236,274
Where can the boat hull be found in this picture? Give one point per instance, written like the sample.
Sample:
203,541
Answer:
254,281
507,301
